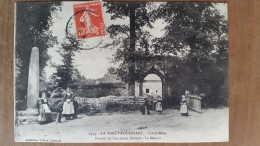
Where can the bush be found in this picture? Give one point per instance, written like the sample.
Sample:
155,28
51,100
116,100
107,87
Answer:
21,105
83,106
55,104
121,107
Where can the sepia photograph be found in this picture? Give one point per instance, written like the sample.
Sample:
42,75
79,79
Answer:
95,72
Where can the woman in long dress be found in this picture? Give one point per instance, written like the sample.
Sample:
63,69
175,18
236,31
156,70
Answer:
184,106
68,107
158,106
41,117
44,110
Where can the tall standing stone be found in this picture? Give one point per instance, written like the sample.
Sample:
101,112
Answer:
33,80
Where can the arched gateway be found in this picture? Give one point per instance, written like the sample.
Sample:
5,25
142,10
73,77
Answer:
151,83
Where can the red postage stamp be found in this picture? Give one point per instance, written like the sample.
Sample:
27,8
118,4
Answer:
89,19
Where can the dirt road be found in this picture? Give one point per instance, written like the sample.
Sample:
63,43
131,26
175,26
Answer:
211,125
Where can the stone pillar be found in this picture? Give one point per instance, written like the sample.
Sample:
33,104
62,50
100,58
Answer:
141,88
131,88
137,88
33,80
164,89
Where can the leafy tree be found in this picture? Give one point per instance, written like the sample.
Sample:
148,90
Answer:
194,46
112,70
32,24
133,35
197,32
65,71
77,77
195,27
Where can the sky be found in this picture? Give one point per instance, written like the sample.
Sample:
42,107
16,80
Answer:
93,63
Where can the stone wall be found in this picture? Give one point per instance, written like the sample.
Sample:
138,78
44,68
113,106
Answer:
89,106
100,90
103,104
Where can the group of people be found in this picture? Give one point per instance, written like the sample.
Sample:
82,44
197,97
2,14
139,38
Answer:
67,108
150,104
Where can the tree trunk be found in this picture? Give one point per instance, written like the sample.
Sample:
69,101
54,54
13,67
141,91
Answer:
131,61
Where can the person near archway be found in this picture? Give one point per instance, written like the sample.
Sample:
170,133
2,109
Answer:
158,106
146,107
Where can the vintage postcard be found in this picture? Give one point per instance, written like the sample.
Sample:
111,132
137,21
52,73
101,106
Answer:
95,72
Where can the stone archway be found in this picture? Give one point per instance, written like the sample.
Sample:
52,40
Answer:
152,85
161,87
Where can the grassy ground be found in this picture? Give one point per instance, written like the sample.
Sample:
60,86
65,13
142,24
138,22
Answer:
211,125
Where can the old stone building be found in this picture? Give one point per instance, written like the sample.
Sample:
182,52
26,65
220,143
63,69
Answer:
152,86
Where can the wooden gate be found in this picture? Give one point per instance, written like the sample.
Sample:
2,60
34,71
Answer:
194,103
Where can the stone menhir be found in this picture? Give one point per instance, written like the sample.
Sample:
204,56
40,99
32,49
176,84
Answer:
33,81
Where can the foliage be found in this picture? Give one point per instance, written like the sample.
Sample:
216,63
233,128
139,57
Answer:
211,81
20,105
66,73
198,33
32,24
121,107
55,104
112,70
122,10
194,46
129,37
198,28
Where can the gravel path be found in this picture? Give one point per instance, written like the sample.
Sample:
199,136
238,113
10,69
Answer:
210,126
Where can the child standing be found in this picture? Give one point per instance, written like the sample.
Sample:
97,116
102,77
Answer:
158,106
